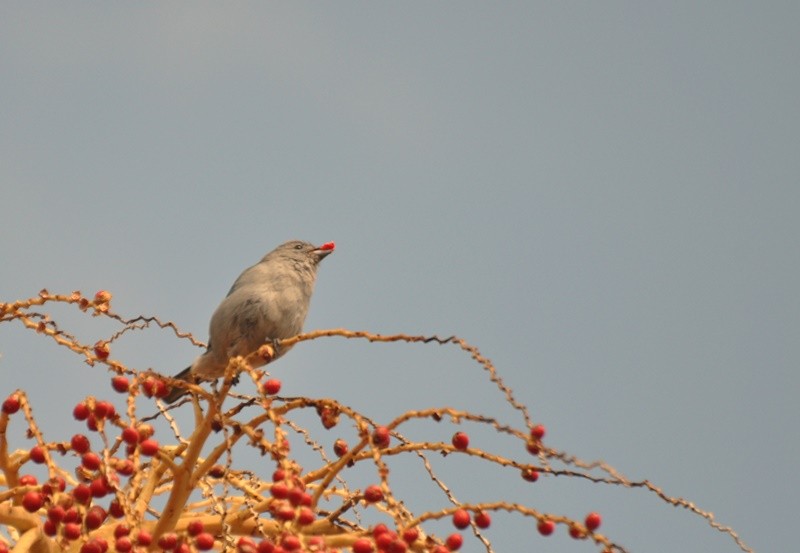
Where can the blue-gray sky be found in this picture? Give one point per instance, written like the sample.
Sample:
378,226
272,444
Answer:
603,197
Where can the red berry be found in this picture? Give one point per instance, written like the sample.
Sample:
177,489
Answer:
379,529
272,386
130,435
384,541
91,423
115,509
100,487
327,246
104,410
373,494
195,527
533,447
82,493
306,516
155,387
168,542
123,544
454,542
91,460
49,527
144,538
530,475
285,512
148,386
11,405
362,545
461,519
81,412
32,501
576,532
295,496
204,541
546,527
72,515
38,454
381,436
91,547
101,349
340,447
162,389
291,543
94,517
538,432
27,480
460,441
483,520
265,546
245,545
72,530
329,417
56,513
410,535
279,490
593,521
120,384
149,447
121,530
80,443
217,471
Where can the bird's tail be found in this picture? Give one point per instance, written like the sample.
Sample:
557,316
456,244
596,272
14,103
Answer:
176,393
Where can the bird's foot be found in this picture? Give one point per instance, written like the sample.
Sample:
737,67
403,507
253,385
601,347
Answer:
269,351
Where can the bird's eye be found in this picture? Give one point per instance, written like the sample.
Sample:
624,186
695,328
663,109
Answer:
299,247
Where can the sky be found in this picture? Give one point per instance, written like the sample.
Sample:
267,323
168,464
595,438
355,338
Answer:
602,197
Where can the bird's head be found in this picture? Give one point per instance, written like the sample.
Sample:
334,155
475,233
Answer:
298,250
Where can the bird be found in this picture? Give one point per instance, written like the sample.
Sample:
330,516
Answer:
268,302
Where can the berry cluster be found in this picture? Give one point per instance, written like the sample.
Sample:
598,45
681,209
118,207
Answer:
113,487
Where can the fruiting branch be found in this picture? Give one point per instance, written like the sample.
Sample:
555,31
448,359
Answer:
135,483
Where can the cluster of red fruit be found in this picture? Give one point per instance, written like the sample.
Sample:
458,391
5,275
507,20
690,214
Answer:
195,536
70,514
591,523
292,506
386,540
292,501
533,444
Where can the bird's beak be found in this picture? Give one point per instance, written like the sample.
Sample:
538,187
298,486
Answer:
324,250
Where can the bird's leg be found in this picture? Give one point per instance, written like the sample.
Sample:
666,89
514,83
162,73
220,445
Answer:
276,346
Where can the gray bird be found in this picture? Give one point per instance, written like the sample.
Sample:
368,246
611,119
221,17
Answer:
269,301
